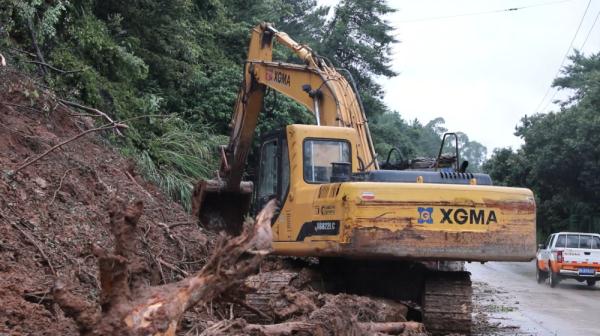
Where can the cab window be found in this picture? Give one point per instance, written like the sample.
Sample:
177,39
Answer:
318,156
552,240
285,172
596,243
549,242
585,242
268,170
572,241
560,241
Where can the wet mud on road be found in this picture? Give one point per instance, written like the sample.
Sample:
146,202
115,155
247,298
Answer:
509,301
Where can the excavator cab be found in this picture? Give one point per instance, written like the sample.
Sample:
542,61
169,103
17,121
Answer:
300,158
273,173
322,159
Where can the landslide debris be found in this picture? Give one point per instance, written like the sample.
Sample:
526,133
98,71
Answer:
51,212
56,213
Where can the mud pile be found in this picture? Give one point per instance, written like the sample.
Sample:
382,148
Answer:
52,211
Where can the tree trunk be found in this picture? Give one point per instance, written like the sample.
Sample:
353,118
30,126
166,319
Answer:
128,309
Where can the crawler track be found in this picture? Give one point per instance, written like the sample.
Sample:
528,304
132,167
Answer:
447,304
440,299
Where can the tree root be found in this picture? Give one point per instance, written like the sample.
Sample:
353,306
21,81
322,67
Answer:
129,308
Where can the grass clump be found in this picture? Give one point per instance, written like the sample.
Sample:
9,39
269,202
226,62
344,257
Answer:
176,159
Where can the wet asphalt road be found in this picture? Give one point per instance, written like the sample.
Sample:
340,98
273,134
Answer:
571,308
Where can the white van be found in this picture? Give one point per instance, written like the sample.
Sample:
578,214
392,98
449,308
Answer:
569,255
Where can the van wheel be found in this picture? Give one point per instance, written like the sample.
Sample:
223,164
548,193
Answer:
553,279
540,275
591,282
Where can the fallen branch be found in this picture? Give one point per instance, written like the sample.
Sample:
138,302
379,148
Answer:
36,46
176,224
85,115
89,109
65,72
25,52
38,296
59,185
22,106
139,186
250,308
37,245
101,128
312,328
172,267
393,328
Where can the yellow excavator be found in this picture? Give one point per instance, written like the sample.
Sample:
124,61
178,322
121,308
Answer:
374,230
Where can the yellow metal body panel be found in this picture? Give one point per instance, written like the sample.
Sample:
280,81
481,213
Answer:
415,221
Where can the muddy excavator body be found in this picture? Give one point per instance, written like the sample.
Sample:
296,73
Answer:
336,202
329,207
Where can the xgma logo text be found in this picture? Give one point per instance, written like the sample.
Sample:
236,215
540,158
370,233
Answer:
458,216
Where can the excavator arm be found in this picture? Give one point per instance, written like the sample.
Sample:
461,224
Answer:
316,84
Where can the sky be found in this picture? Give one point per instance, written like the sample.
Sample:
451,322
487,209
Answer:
482,72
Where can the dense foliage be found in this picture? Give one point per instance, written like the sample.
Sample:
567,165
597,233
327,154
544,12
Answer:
560,159
182,60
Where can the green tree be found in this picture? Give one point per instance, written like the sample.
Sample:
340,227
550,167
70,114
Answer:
182,60
389,131
359,39
471,151
560,158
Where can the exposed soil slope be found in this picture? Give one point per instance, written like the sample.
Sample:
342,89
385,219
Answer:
51,211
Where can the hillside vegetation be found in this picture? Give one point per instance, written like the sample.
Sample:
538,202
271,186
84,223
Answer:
175,66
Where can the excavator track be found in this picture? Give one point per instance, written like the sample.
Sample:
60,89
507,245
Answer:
441,299
446,303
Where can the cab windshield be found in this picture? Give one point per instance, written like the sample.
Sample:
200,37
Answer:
318,156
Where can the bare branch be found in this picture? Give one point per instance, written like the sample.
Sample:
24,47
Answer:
89,109
59,186
101,128
36,46
37,245
53,68
22,106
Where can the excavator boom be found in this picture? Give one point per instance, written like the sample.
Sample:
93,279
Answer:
316,85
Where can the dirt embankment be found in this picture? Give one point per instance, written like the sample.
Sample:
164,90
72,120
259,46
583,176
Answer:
52,211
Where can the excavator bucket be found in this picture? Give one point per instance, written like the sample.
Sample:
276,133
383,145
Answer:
221,209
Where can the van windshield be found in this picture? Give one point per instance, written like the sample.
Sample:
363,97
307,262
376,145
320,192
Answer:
578,241
589,242
572,241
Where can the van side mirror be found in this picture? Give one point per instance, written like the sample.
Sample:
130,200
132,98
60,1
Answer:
540,246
